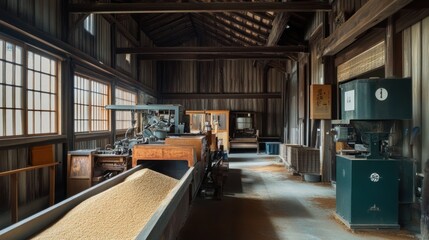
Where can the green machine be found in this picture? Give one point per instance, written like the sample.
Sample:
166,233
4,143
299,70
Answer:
372,183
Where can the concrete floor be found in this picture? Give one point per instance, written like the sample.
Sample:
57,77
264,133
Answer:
262,200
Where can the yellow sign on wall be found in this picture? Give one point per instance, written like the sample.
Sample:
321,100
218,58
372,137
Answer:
320,101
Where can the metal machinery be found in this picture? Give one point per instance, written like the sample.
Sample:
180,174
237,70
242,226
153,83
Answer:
157,120
86,168
244,134
212,122
368,193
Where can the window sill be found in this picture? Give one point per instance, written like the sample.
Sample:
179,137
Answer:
84,136
33,140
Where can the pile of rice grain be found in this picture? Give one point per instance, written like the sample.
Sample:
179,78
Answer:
117,213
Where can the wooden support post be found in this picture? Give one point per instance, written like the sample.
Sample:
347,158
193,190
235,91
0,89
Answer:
51,185
390,55
266,106
326,149
14,197
68,70
221,77
113,32
113,113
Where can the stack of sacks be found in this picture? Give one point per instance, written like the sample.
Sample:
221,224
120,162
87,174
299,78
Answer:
117,213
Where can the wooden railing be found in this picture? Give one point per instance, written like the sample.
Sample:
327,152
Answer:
14,186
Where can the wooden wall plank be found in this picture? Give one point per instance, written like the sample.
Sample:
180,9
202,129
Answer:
425,88
416,68
406,43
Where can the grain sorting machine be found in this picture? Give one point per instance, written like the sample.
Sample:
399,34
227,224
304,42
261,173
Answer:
373,183
184,158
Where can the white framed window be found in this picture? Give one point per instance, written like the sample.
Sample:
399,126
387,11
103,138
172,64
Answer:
124,97
11,89
89,24
42,94
90,99
28,91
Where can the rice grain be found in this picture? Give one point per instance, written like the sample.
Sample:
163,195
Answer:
117,213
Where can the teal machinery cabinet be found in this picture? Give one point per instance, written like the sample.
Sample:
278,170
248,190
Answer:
368,186
367,192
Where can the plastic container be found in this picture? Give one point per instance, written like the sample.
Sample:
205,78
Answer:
272,148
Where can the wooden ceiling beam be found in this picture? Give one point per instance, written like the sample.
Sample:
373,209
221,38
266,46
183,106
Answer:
220,95
279,25
187,7
410,17
369,15
213,50
255,56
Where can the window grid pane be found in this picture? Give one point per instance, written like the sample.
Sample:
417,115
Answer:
124,97
11,89
42,94
91,97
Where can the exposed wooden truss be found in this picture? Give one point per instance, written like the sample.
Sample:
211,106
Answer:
370,14
232,28
191,7
209,53
279,50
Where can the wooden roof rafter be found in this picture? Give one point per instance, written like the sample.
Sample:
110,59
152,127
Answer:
213,50
243,25
250,33
263,16
182,37
223,41
170,18
171,25
150,19
175,33
250,20
223,32
232,30
219,38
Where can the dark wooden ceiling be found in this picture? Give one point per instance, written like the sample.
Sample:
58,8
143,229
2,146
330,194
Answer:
241,28
171,23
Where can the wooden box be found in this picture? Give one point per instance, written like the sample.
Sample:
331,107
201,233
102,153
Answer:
42,155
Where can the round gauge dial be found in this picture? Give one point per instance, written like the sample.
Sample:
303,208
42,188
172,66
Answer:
381,94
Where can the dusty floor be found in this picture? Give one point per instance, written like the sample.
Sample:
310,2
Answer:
263,201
